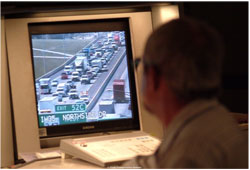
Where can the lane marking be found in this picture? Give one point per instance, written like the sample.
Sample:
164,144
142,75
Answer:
57,57
54,52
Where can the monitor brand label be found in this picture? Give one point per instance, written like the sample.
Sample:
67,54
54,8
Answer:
88,127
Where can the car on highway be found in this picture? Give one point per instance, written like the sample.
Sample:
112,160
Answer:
98,54
96,69
103,60
91,52
100,43
63,89
75,76
64,86
95,46
123,43
60,97
71,84
85,97
68,69
108,55
93,73
110,39
45,88
37,85
74,96
64,75
114,46
55,94
110,49
54,83
72,91
100,50
105,47
106,43
85,79
61,92
93,57
73,87
104,68
89,74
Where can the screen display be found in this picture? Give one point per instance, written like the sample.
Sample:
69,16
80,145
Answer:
81,77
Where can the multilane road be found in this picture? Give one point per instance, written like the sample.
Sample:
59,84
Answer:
116,70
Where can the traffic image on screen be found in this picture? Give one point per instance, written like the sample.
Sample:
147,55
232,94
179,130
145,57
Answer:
81,77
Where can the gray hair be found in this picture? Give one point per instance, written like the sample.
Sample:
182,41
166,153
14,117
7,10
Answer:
188,53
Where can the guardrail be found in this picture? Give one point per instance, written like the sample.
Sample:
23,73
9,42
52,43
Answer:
94,100
52,72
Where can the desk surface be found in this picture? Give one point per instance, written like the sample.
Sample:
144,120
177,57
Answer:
59,163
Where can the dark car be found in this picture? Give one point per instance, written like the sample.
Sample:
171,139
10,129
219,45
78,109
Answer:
64,76
74,96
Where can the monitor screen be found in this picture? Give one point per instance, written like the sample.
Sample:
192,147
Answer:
83,77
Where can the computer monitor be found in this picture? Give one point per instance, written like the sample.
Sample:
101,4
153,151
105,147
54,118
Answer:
83,77
24,77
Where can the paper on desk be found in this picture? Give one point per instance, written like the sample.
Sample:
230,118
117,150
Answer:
30,156
50,154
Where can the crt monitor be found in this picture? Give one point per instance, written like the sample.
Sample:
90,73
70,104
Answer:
83,77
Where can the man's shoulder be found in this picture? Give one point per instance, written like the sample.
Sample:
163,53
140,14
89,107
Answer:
210,138
215,126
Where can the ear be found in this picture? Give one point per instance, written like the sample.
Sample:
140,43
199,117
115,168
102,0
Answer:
153,79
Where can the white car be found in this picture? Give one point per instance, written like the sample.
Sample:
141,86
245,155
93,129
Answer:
104,68
106,43
54,83
123,43
61,91
85,79
72,91
103,61
75,76
68,69
85,98
96,69
37,86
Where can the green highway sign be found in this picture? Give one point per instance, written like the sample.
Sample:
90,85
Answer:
61,118
70,108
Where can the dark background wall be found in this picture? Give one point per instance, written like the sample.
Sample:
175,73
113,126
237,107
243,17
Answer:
231,20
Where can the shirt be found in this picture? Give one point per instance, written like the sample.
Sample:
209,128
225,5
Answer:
202,135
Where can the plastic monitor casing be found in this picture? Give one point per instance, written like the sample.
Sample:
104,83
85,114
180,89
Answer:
21,73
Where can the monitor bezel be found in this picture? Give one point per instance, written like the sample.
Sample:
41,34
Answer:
95,25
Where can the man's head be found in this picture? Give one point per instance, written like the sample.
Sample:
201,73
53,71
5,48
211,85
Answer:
182,62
